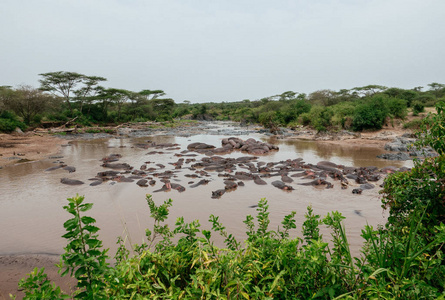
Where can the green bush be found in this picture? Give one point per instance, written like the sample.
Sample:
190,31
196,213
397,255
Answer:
397,107
343,114
422,188
9,122
320,117
418,107
304,119
370,114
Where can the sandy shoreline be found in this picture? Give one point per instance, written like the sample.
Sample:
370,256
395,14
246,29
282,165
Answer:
15,267
26,147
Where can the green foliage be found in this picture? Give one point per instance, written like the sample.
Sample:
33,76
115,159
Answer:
37,286
271,265
343,114
433,131
83,257
370,114
397,107
403,265
9,122
321,117
418,107
422,188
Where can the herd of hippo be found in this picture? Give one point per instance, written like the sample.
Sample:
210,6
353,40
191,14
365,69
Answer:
233,171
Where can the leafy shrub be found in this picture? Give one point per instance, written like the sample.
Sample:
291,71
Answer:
343,114
9,122
418,107
267,119
397,107
370,114
304,119
321,117
422,188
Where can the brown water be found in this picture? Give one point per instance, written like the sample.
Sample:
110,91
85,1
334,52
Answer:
31,214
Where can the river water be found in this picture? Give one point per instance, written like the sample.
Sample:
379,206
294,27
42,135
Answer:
32,217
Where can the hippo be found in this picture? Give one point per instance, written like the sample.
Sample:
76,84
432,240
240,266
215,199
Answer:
165,188
177,187
286,178
142,182
107,174
71,181
218,193
70,169
357,191
198,147
258,180
243,176
279,184
56,167
96,182
328,164
111,158
373,177
230,185
366,186
123,166
318,181
201,182
123,179
361,180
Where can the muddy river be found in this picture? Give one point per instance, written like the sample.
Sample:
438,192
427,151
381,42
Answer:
31,213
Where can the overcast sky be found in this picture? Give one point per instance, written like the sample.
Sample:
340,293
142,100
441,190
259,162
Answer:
226,50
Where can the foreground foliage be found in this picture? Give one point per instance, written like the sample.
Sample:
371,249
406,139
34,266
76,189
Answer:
270,265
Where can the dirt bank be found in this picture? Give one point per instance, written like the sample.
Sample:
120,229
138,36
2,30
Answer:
15,267
19,148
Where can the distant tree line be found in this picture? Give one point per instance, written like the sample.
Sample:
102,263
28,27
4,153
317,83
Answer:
64,96
357,109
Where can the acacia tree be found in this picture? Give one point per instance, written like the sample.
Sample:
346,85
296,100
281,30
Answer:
370,90
151,94
163,108
27,102
89,91
117,97
61,84
437,89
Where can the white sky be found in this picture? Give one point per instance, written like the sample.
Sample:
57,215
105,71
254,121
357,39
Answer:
226,50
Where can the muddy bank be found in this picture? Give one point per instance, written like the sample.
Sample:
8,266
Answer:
26,147
15,267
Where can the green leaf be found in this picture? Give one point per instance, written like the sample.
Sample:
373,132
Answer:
85,207
70,224
87,220
79,272
91,228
